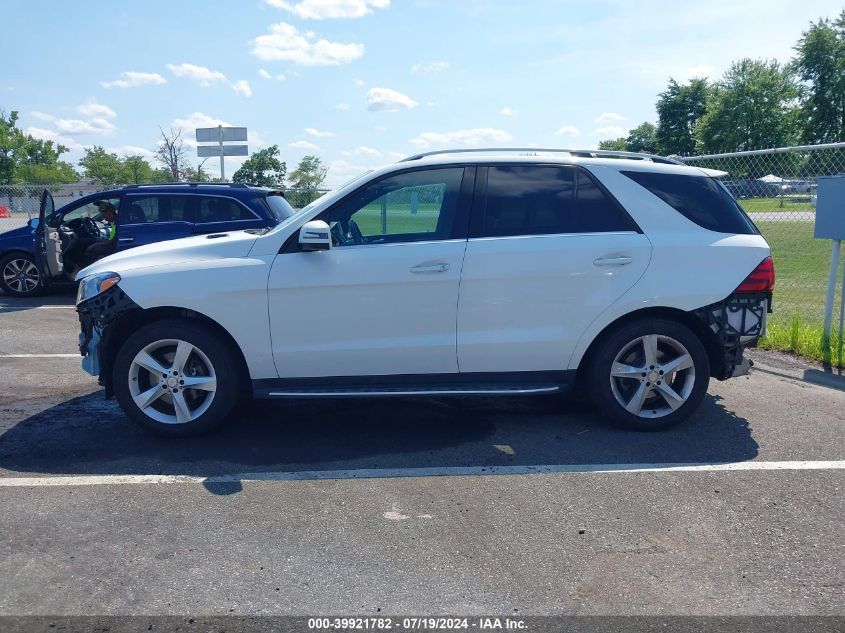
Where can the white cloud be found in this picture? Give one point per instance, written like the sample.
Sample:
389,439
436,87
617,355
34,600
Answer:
341,171
131,79
381,128
322,9
131,150
506,111
568,130
242,88
94,109
286,43
264,73
611,131
430,68
202,75
363,150
387,100
359,82
475,136
310,131
303,145
609,117
342,106
97,126
397,155
50,135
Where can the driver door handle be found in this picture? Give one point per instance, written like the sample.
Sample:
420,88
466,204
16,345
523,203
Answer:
123,240
430,268
612,261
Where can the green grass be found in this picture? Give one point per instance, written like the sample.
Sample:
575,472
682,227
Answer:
776,205
801,267
399,219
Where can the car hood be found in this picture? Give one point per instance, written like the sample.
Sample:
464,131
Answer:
190,249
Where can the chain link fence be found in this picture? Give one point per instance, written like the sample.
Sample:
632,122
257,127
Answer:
777,188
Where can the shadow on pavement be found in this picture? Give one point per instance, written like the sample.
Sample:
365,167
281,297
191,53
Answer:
63,294
89,435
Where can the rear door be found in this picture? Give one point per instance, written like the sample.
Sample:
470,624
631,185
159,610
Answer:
549,250
148,218
48,245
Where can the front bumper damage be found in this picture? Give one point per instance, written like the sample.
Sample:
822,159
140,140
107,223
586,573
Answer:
737,322
96,336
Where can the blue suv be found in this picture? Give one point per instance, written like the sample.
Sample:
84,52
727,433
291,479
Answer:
49,249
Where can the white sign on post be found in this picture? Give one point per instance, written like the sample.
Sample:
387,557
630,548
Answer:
220,135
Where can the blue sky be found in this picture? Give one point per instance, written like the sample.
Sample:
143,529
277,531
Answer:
362,82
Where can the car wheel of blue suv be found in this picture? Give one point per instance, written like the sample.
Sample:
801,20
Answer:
19,276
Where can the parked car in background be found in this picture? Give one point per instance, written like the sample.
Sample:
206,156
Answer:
633,278
145,214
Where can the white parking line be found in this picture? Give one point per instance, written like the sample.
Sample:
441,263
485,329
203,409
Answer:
14,308
39,355
383,473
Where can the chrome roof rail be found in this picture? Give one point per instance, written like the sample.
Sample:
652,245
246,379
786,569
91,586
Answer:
584,153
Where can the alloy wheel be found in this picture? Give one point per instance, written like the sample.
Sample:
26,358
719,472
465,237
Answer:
21,275
652,376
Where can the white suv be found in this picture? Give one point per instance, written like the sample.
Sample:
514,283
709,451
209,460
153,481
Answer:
451,273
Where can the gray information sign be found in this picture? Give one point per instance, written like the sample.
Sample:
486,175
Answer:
212,134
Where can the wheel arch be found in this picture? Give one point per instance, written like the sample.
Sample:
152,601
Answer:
131,320
708,337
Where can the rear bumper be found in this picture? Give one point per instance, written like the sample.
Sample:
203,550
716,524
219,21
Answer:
737,322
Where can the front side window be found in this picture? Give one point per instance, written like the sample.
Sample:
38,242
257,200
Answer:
150,209
410,207
216,209
545,200
88,210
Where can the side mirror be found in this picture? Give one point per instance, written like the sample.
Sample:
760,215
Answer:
315,236
32,223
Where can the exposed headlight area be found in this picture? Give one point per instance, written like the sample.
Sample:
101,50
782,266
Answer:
94,285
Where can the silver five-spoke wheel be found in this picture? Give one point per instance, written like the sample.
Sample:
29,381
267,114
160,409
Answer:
172,381
20,275
652,376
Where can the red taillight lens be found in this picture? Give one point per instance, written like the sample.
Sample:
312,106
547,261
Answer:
761,279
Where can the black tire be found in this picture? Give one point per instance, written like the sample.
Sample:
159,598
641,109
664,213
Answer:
602,384
17,288
215,351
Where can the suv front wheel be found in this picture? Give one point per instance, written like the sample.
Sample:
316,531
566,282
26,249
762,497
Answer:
650,374
176,378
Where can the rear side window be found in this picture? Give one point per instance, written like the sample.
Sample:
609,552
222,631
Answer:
216,209
147,209
701,199
545,199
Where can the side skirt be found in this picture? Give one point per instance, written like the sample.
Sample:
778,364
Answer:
473,384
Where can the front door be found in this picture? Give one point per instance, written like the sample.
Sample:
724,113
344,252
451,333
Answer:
549,251
383,300
48,243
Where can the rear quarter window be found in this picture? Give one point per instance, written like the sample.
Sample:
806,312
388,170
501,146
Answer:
701,199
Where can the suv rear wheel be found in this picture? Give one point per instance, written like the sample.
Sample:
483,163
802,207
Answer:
19,275
650,374
176,378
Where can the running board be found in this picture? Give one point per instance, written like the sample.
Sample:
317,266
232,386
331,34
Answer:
379,393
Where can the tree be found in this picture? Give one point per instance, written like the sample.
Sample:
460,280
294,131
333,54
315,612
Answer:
642,138
820,64
136,170
614,144
309,174
102,167
263,168
679,109
752,107
26,159
172,153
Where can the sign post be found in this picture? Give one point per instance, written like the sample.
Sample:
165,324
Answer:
220,135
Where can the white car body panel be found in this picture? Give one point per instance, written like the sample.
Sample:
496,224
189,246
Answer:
361,310
525,301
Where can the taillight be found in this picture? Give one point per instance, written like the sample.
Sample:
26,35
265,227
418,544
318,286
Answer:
761,279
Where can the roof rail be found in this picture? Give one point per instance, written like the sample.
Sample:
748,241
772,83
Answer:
239,185
584,153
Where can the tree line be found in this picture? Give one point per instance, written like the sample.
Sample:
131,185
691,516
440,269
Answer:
756,104
25,159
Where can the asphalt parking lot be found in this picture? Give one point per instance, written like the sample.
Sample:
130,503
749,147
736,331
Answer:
425,506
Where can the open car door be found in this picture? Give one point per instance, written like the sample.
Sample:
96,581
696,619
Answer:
48,243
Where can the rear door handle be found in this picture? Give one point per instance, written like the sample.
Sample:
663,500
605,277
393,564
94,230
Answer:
612,261
123,240
430,268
